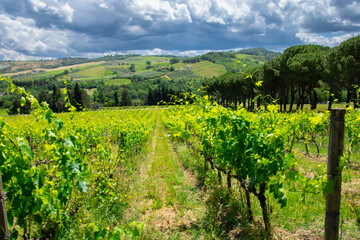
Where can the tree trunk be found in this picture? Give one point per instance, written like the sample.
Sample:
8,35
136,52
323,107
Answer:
229,181
219,175
330,101
348,97
262,200
292,97
313,100
248,201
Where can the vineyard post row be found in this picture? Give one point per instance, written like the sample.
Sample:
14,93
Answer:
336,147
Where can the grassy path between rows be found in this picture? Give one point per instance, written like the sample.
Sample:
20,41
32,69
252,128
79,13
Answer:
167,203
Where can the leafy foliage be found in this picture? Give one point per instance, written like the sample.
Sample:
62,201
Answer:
48,165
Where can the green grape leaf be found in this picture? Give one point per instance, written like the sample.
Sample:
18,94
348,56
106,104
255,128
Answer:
82,185
49,115
68,143
75,167
58,124
25,147
39,178
279,194
2,124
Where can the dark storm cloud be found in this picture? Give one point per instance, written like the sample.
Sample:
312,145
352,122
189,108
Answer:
59,28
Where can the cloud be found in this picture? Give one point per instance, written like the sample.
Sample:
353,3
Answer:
61,28
53,7
22,35
161,10
311,38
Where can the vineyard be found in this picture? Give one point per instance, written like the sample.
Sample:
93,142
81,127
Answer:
196,171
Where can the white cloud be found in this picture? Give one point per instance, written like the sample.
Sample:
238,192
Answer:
219,11
54,7
155,51
9,54
161,10
21,35
135,30
311,38
192,53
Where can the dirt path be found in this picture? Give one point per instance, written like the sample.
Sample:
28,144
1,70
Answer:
167,203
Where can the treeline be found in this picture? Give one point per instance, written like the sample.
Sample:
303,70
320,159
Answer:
302,74
227,59
164,95
55,99
211,57
260,52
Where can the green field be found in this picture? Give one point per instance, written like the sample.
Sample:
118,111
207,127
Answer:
91,91
204,69
207,69
118,82
94,72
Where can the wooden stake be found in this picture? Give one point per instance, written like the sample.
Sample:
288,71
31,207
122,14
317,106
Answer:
336,147
4,229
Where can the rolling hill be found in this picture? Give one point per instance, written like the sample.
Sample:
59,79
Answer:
137,73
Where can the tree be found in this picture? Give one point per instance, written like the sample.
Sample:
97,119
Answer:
308,66
116,98
174,60
101,97
85,99
56,101
150,97
125,97
344,62
43,96
78,98
132,67
19,107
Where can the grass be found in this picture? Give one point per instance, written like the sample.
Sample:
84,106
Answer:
118,82
91,91
304,215
3,111
95,72
203,69
208,69
251,58
140,62
166,206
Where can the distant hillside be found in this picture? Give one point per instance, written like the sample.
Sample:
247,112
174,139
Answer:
249,57
23,66
100,77
260,52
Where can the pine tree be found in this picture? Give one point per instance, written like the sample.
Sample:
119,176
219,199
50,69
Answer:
116,98
54,98
78,97
125,98
101,97
150,97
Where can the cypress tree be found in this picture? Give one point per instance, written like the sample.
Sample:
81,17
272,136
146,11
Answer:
116,99
125,98
78,97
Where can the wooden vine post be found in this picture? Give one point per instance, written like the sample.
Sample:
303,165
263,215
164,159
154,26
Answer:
4,229
335,151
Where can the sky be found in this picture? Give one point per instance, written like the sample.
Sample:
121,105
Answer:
42,29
